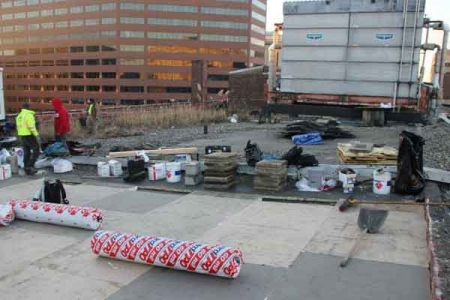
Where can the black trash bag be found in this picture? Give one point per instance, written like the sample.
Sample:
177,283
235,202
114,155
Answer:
52,191
295,157
136,170
253,154
410,177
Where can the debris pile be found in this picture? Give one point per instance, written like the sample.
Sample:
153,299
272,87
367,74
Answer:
329,130
271,175
220,170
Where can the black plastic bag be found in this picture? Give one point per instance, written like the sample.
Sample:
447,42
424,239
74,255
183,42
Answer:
410,179
295,157
253,154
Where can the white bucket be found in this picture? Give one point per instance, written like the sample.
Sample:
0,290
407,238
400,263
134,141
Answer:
173,172
103,169
382,182
115,168
157,172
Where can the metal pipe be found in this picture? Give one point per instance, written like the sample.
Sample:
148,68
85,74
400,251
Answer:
443,52
411,62
405,18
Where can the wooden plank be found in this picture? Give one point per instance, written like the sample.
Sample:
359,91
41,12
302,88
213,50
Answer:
171,151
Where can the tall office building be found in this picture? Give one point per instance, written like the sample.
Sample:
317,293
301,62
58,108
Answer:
126,52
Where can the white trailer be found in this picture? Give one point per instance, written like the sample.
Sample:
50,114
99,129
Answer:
2,99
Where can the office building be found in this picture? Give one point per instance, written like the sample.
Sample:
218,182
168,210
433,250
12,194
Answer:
125,52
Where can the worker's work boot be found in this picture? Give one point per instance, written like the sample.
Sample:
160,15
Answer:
30,171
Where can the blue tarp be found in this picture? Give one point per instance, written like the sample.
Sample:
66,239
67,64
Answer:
312,138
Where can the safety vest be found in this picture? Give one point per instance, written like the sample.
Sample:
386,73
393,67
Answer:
90,109
26,124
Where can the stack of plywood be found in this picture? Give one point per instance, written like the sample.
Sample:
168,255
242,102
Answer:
377,156
220,170
271,175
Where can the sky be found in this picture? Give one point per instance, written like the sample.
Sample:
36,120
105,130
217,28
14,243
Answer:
435,9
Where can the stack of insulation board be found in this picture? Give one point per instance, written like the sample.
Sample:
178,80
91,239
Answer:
271,175
221,170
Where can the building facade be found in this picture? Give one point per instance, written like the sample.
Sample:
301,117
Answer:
131,52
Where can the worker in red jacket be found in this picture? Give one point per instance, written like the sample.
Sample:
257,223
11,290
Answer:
62,122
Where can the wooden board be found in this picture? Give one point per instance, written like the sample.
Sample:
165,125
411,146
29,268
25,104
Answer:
378,156
172,151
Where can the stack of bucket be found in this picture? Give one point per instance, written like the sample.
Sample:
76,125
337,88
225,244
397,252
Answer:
220,170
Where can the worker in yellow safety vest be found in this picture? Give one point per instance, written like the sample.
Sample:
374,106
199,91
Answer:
92,116
29,136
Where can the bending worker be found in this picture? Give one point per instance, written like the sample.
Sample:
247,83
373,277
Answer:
92,116
29,136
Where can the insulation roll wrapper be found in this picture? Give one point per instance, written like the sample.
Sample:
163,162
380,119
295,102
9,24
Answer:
59,214
169,253
6,214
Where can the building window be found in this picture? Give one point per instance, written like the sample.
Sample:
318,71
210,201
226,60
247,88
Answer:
21,51
62,24
61,11
258,29
76,10
92,8
62,50
91,22
62,75
92,75
108,21
132,102
48,25
132,34
131,89
48,88
92,88
224,38
169,62
172,36
234,51
257,42
108,102
172,22
224,11
214,90
109,75
180,90
219,64
92,48
173,8
46,12
77,62
214,77
109,61
76,23
132,48
217,24
259,4
130,75
131,62
48,63
33,26
62,88
21,15
92,62
77,88
132,6
258,17
76,49
130,20
169,76
77,101
48,75
109,48
171,49
48,50
77,75
109,88
108,6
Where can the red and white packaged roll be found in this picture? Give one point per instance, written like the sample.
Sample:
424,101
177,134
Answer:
6,214
59,214
169,253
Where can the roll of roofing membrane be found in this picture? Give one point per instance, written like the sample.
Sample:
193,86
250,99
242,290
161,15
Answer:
169,253
59,214
6,214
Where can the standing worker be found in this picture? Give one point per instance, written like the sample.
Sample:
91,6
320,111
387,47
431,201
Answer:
92,116
29,136
62,123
